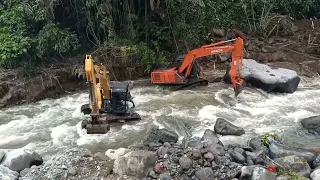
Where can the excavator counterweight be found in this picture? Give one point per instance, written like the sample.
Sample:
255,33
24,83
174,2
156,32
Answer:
187,75
109,101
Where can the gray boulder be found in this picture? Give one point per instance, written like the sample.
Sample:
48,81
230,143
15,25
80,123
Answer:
205,174
269,79
260,173
278,150
255,143
316,162
19,159
237,157
315,175
8,174
224,127
210,137
295,163
135,163
155,135
194,142
311,123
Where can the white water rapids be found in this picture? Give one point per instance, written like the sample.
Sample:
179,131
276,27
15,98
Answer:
53,125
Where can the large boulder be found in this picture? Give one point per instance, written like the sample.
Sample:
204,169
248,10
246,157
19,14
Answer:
269,79
19,159
156,135
311,123
279,150
6,173
135,163
224,127
210,137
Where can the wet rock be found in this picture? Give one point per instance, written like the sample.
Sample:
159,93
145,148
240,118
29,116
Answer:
135,163
215,149
268,79
19,159
316,162
237,157
116,153
278,150
260,173
247,171
194,142
311,123
162,151
102,156
210,137
205,173
185,162
165,176
209,156
282,178
224,127
72,171
196,153
6,173
300,165
239,150
315,175
255,143
2,153
156,135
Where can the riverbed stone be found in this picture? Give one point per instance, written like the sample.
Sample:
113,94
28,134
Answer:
260,173
116,153
311,123
205,173
157,135
210,137
224,127
279,150
237,157
255,143
185,163
296,163
315,175
316,162
6,173
19,159
194,142
135,163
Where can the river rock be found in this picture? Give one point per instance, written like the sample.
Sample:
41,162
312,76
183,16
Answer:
300,165
160,135
316,162
210,137
215,149
247,171
135,163
1,154
255,143
237,157
194,142
315,175
116,153
185,163
279,150
311,123
19,159
8,174
260,173
269,79
224,127
205,173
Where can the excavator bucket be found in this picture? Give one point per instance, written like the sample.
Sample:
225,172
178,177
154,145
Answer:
100,125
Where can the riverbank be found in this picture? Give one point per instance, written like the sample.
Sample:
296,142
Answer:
160,155
298,51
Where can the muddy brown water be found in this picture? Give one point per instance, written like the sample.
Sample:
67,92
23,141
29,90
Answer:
53,125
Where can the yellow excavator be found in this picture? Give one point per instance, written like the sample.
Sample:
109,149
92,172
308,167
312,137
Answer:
109,101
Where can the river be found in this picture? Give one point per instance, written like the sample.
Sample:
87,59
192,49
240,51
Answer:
52,125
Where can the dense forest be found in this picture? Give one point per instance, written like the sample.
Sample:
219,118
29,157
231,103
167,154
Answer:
41,31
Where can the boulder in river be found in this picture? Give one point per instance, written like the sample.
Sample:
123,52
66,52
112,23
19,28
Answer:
311,123
135,163
224,127
269,79
279,150
6,173
210,137
156,135
19,159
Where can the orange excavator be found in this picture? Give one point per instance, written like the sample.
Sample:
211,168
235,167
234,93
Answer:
187,74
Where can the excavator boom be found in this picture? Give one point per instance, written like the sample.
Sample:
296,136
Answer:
108,101
183,76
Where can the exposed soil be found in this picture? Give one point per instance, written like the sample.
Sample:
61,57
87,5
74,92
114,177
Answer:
299,52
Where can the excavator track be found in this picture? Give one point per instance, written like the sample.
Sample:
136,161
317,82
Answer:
101,125
195,82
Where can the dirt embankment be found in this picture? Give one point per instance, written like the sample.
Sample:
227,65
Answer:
300,52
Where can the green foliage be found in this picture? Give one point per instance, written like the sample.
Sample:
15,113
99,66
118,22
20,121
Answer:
53,39
267,137
286,171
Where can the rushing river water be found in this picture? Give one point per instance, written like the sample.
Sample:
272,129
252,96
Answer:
53,125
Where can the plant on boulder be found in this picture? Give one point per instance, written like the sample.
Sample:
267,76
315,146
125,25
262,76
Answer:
268,138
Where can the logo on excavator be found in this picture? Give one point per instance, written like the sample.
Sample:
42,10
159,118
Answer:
216,51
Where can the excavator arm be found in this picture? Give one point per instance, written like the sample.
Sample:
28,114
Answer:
182,74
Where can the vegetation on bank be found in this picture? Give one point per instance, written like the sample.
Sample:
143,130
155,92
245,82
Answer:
35,32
